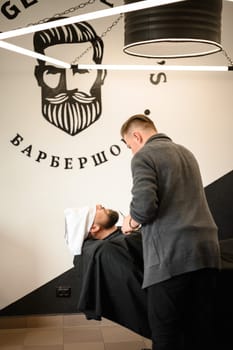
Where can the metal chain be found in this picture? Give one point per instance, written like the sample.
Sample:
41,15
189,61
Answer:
114,23
64,13
57,15
227,57
75,61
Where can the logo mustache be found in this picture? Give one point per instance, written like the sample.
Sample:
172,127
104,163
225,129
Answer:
75,97
71,111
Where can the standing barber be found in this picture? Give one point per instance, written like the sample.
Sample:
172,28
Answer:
180,241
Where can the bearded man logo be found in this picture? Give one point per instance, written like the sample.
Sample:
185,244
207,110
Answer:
71,98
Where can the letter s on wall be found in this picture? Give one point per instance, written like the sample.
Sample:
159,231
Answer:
158,79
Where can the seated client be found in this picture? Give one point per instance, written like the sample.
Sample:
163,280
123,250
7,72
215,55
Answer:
89,222
109,267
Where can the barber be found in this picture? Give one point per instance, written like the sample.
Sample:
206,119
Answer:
180,241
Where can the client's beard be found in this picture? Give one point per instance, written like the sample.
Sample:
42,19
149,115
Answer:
71,113
113,217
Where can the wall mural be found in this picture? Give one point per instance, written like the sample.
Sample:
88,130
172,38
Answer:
70,107
71,110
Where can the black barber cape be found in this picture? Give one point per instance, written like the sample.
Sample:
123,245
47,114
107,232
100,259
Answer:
110,273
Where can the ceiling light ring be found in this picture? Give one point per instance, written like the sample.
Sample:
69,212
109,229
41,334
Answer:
214,48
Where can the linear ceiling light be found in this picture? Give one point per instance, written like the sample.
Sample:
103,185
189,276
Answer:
118,67
156,67
33,54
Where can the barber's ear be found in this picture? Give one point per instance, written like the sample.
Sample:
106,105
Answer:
138,137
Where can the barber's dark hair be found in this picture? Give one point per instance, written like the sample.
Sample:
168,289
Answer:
69,34
137,120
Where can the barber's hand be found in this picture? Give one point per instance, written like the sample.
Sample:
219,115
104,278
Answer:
130,225
126,229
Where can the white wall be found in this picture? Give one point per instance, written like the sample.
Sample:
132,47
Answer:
195,109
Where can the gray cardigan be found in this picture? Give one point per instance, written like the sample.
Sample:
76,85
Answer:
168,199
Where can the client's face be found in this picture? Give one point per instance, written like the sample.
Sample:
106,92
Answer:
105,217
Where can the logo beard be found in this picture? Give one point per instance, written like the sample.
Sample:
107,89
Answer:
71,113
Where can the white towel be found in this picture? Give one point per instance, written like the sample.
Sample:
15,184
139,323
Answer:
78,222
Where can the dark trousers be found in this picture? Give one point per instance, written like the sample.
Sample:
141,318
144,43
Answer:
181,311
